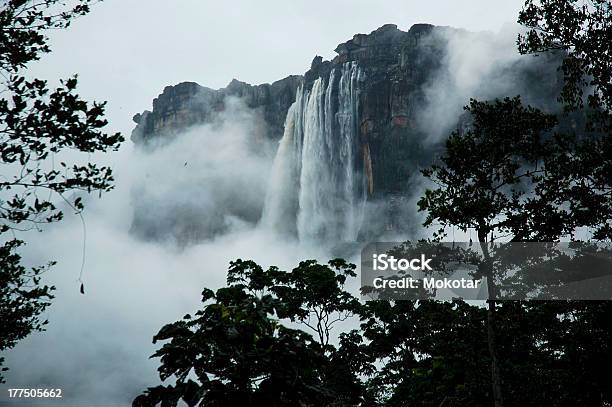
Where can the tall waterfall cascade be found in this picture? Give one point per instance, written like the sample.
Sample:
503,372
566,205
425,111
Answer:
317,186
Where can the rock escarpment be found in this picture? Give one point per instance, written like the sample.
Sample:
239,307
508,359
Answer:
400,69
188,104
396,65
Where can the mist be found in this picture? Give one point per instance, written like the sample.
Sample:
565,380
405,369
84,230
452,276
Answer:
97,345
483,66
207,181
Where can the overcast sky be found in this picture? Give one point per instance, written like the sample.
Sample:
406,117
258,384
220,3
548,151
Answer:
127,51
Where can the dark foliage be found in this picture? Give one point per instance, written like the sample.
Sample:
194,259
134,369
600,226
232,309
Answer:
236,351
583,30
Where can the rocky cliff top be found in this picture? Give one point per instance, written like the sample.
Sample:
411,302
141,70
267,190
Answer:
189,103
387,35
398,66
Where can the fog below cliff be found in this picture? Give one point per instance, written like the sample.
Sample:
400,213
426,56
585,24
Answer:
97,345
206,182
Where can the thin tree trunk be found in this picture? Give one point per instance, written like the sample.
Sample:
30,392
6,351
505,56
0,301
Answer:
495,372
496,382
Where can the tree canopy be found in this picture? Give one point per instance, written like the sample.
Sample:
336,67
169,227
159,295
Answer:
583,31
237,350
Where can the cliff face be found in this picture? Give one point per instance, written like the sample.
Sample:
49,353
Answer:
188,104
398,65
399,68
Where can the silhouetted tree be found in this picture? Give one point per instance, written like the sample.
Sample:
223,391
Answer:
37,123
240,350
485,180
581,29
504,177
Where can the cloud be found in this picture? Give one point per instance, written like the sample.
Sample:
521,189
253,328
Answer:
206,181
484,66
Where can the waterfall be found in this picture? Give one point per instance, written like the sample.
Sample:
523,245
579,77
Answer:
352,188
317,187
281,204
